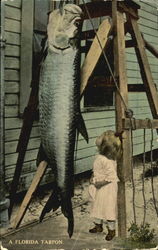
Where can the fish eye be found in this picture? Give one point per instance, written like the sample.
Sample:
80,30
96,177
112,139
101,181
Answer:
77,23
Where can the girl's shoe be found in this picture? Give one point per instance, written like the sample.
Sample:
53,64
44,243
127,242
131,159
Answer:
110,235
97,229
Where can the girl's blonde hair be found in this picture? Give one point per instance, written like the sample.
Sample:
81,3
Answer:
109,145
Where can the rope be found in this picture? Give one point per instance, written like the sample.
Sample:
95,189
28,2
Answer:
143,175
105,57
132,176
151,164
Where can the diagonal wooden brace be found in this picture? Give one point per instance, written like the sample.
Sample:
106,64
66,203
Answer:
95,51
36,181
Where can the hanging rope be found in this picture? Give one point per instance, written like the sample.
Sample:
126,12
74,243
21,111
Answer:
105,57
132,176
143,175
151,165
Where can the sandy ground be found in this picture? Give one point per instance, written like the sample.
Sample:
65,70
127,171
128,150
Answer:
55,225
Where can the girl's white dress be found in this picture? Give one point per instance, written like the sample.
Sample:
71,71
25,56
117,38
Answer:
104,199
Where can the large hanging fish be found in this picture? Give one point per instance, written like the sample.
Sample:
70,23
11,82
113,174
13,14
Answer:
59,105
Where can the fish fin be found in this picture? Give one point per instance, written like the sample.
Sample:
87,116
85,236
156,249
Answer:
82,127
41,156
66,208
52,203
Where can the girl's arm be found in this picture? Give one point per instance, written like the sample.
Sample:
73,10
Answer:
99,184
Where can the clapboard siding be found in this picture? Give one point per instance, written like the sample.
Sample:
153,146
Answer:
12,25
11,87
12,38
15,15
96,122
13,134
13,3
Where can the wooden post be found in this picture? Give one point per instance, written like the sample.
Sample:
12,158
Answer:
124,165
36,180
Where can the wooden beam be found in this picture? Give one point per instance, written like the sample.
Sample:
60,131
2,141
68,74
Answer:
151,48
36,180
26,52
130,44
124,166
130,10
94,53
96,9
104,8
146,74
140,124
101,82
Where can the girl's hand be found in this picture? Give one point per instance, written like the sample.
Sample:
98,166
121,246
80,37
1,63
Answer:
99,184
91,180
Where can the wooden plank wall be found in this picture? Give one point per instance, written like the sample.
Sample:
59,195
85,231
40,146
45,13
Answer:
96,122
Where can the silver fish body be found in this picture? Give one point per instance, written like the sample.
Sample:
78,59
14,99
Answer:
59,107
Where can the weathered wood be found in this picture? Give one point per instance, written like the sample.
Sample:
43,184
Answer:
13,123
11,87
12,3
129,44
12,38
94,53
11,111
36,180
12,63
10,147
11,99
130,10
12,25
103,9
11,159
151,48
140,124
12,50
145,71
26,52
13,134
11,75
124,165
13,13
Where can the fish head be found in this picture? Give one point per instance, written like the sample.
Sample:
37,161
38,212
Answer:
64,27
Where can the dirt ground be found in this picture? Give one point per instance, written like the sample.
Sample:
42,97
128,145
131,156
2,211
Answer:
54,227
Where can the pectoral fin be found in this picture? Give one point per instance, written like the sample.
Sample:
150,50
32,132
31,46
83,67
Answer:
41,156
82,127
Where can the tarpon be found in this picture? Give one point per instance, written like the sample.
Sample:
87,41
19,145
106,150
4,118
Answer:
59,105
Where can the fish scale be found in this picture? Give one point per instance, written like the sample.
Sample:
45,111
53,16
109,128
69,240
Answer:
59,107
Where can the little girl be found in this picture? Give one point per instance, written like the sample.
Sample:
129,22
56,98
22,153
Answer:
103,183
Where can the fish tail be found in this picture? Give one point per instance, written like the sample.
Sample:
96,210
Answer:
66,208
52,203
56,200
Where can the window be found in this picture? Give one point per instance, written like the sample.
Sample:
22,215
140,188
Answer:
99,93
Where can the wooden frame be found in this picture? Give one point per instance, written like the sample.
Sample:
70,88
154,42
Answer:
26,52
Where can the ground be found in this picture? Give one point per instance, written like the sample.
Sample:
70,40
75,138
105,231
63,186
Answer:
52,232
